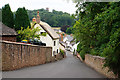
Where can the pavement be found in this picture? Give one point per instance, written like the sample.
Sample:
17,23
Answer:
70,67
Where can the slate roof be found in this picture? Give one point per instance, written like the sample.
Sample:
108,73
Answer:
49,30
73,43
5,30
70,38
62,43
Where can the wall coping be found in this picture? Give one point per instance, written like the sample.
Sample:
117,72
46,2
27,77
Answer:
19,43
99,57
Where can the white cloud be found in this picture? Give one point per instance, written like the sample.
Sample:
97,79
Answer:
60,5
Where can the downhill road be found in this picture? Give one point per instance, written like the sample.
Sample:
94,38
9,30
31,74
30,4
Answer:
70,67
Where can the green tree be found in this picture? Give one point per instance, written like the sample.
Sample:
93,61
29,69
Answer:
86,30
64,28
21,19
112,52
98,30
54,18
28,33
69,30
7,16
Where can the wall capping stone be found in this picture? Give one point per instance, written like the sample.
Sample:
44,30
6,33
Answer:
96,56
20,43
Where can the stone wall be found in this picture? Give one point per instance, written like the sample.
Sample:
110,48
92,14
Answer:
97,63
18,55
79,57
9,38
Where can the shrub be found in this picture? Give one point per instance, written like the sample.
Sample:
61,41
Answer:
95,52
79,48
112,53
28,33
62,52
44,34
82,54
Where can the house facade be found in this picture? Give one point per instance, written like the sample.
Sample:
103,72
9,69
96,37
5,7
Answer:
74,48
68,39
62,45
8,34
48,35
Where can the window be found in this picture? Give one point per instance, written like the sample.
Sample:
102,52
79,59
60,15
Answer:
54,43
57,50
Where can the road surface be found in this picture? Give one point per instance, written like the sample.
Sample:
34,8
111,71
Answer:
70,67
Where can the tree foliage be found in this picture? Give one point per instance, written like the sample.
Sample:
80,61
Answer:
69,30
7,16
98,30
28,33
54,18
64,28
21,19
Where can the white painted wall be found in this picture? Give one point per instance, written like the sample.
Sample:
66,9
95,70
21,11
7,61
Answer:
48,40
75,47
65,39
56,47
61,47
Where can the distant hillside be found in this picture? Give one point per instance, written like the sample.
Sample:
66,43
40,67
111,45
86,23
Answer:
54,18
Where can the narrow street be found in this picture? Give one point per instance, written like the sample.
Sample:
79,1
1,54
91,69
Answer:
70,67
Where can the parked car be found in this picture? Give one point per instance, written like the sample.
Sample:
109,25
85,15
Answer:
31,41
24,41
38,42
34,41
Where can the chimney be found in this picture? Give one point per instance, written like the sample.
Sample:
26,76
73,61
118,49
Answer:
38,18
34,19
65,35
61,37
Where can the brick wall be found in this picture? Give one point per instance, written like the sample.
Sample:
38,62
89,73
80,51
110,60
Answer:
97,63
13,38
18,55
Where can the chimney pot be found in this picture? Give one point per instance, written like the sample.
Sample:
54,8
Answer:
38,18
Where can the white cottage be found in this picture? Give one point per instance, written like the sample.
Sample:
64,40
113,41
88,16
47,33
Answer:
68,39
51,39
74,48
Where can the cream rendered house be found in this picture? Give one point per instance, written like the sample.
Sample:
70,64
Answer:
51,38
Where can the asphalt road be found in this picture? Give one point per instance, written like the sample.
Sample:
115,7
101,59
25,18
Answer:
70,67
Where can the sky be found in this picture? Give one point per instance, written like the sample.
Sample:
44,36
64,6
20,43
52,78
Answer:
59,5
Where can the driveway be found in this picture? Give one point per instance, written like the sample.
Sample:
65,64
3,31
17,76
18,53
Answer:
70,67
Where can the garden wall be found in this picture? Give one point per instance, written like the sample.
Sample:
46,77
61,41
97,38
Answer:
18,55
97,63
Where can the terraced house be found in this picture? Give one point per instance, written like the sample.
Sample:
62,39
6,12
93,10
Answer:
7,33
51,38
